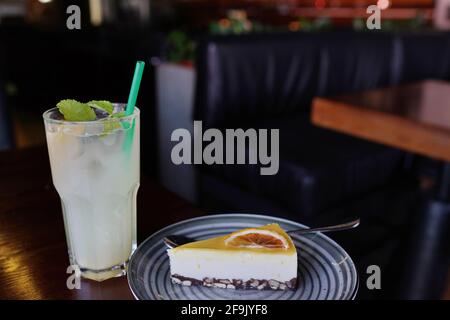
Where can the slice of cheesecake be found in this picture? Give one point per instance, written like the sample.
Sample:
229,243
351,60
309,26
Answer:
254,258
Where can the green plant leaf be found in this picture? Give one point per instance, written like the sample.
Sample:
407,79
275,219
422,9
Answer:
73,110
102,105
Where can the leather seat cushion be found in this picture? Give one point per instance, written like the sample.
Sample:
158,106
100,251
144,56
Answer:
318,168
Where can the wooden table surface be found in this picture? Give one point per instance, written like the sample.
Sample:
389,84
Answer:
33,252
413,117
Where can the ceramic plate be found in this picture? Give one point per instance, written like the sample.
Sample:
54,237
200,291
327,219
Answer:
325,270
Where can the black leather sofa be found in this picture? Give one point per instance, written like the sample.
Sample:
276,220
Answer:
6,140
5,129
269,81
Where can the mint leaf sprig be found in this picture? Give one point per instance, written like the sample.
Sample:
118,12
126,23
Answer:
102,105
72,110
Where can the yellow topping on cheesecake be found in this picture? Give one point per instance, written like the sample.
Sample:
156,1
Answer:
268,239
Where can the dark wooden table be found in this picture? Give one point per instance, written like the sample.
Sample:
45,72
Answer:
33,252
414,118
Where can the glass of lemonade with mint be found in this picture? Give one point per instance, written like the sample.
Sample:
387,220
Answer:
94,157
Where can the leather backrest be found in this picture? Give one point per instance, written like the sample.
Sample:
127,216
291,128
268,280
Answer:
425,55
357,61
243,77
5,126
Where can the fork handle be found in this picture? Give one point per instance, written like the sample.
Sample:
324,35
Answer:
338,227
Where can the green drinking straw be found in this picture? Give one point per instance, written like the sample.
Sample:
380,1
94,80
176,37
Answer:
138,71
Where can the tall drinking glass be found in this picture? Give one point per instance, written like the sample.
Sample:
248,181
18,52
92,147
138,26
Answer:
95,169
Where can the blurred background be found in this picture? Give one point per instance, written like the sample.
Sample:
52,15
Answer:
245,63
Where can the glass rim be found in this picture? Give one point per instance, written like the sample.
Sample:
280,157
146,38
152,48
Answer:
46,116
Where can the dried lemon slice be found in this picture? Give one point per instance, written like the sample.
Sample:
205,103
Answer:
257,238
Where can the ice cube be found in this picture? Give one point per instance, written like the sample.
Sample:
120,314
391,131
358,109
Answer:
73,129
109,140
56,115
101,114
94,128
51,128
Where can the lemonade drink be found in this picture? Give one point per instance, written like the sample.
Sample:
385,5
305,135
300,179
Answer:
95,169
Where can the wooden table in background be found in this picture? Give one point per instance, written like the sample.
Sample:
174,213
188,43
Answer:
414,118
33,252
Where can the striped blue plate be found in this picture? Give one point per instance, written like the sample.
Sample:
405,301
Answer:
325,270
